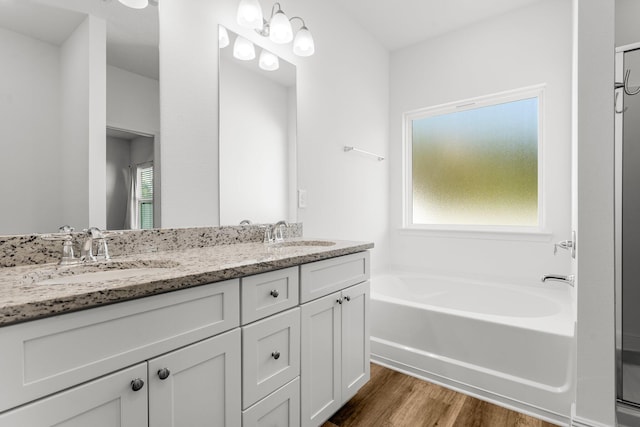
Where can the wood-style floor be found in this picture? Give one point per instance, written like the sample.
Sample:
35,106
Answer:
393,399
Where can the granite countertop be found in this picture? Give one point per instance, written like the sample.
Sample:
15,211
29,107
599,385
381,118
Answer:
28,292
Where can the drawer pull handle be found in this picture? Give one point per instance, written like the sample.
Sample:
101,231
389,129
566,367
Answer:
274,293
164,373
275,355
137,384
339,300
348,298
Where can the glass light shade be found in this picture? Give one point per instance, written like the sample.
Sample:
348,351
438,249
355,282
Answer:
303,43
243,49
268,61
280,28
250,14
135,4
223,37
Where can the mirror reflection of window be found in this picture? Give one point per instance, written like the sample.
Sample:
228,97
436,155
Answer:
144,196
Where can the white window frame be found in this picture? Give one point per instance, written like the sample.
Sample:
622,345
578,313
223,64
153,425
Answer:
463,105
139,198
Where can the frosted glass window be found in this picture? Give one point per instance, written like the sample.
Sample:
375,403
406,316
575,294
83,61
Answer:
476,166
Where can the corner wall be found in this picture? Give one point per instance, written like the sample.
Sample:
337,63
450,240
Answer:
522,48
594,206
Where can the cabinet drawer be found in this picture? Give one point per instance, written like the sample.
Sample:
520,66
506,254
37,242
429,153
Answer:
47,355
280,409
268,293
321,278
270,355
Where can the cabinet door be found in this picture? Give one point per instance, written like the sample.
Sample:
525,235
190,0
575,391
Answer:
201,386
355,339
106,402
320,359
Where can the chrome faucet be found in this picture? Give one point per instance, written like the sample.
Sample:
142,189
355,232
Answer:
278,236
86,252
570,279
64,234
273,234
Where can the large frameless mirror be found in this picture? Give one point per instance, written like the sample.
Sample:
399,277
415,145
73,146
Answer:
257,105
80,91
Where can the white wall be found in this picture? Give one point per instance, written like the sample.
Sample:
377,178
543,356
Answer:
254,148
342,100
29,95
593,142
133,101
526,47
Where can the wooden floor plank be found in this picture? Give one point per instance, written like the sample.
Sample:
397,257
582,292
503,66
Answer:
393,399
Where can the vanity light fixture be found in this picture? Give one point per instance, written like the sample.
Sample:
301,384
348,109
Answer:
135,4
278,28
268,61
223,37
243,49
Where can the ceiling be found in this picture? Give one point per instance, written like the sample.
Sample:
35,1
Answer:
132,35
400,23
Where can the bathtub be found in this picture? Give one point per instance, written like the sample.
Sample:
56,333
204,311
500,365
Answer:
509,344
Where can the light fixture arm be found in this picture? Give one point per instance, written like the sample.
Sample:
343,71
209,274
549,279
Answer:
297,17
274,11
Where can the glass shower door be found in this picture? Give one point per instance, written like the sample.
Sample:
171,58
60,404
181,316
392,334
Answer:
628,227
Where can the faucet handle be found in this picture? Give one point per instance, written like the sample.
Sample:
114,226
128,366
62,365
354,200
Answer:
568,245
68,256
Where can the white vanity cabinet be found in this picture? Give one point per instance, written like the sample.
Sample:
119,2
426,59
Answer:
195,385
69,357
283,348
335,336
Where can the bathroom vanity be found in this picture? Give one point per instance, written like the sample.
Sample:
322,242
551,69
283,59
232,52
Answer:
245,334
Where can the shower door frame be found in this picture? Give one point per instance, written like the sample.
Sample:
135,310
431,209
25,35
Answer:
629,409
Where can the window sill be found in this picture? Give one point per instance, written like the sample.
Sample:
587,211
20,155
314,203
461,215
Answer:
514,235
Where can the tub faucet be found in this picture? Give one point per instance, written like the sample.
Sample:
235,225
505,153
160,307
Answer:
570,279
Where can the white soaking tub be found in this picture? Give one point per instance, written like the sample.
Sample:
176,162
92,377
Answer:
512,345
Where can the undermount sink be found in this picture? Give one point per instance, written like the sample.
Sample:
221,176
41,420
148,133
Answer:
305,243
99,272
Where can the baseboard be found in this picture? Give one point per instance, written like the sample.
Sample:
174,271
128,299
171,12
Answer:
583,422
499,400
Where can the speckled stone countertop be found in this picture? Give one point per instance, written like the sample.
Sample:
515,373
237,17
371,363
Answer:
26,292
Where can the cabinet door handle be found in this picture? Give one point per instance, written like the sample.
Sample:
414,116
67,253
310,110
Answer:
164,373
348,298
339,300
274,293
275,355
137,384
